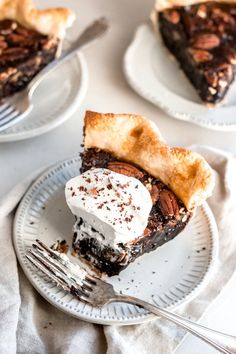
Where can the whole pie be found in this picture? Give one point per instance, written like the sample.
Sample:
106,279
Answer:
134,192
29,40
202,36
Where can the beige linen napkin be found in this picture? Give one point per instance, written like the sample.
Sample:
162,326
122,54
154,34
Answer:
29,324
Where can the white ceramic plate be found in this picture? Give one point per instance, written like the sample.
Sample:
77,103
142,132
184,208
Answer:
154,74
55,100
169,276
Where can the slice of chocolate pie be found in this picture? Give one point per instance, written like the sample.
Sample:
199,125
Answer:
134,193
202,36
29,40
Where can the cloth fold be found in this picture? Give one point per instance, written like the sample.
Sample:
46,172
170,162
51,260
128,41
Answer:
29,324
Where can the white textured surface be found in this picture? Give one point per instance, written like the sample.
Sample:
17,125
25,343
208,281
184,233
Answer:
220,316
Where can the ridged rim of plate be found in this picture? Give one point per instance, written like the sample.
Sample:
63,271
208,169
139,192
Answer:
180,107
67,169
77,98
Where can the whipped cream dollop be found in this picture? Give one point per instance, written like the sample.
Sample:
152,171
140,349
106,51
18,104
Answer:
109,206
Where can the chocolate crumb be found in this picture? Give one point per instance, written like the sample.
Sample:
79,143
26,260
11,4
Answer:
60,246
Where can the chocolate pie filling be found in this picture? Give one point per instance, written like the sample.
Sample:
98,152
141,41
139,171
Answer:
203,39
168,217
23,53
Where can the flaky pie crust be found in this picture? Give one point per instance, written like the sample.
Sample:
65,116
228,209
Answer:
53,21
167,4
135,139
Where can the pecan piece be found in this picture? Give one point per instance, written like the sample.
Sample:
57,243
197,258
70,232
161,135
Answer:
20,40
146,232
172,16
168,203
200,56
154,193
27,33
12,54
206,41
125,169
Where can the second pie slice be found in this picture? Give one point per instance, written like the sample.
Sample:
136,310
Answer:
134,192
30,39
202,36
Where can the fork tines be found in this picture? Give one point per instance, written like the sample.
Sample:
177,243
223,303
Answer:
60,270
8,114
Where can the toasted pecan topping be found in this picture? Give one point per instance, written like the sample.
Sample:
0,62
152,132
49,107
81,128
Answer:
168,203
200,56
125,169
206,41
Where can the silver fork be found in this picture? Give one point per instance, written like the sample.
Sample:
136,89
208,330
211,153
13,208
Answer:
18,106
98,293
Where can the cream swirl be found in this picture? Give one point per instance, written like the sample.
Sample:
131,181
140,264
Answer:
115,205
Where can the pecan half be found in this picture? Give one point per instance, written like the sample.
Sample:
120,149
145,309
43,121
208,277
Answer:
200,56
172,16
20,40
154,193
125,169
168,203
206,41
12,54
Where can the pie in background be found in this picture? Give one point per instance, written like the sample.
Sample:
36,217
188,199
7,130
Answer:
29,40
202,37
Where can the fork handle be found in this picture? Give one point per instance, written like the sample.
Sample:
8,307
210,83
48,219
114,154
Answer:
93,31
223,342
